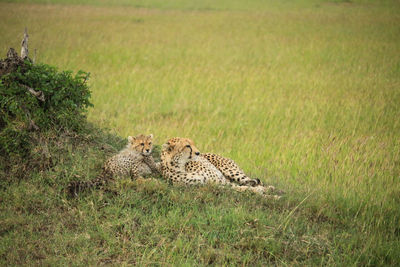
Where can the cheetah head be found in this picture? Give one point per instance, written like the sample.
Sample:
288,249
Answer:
141,143
177,151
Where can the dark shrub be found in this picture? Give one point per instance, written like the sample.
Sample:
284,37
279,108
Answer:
24,117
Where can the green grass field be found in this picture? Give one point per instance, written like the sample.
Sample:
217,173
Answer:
304,95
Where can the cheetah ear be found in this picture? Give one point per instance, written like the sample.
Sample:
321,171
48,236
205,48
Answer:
131,139
170,146
151,136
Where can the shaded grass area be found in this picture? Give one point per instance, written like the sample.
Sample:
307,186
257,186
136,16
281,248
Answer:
152,222
304,96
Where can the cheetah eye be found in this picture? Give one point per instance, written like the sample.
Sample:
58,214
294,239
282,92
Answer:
150,144
188,146
142,144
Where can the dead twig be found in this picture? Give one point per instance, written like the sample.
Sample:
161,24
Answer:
24,44
33,126
38,94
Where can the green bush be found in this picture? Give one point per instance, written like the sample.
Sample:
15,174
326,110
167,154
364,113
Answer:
23,115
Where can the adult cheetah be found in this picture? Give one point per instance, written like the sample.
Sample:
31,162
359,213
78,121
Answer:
182,162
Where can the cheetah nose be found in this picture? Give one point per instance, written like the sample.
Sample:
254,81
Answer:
147,150
197,153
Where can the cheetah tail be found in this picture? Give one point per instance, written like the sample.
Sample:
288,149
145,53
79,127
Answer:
75,187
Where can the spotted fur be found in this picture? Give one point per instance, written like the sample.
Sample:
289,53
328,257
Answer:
230,170
182,162
134,160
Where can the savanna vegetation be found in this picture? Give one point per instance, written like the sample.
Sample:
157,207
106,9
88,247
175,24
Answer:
302,94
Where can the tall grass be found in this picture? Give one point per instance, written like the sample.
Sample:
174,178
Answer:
303,95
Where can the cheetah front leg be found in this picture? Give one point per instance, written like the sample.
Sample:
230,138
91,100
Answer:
155,167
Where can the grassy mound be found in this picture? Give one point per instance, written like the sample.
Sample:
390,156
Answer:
49,144
32,123
153,223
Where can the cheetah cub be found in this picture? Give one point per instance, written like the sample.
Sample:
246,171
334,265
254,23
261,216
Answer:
182,162
134,160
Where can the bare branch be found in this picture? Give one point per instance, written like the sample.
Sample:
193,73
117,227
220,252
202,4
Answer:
11,54
33,126
24,44
39,94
